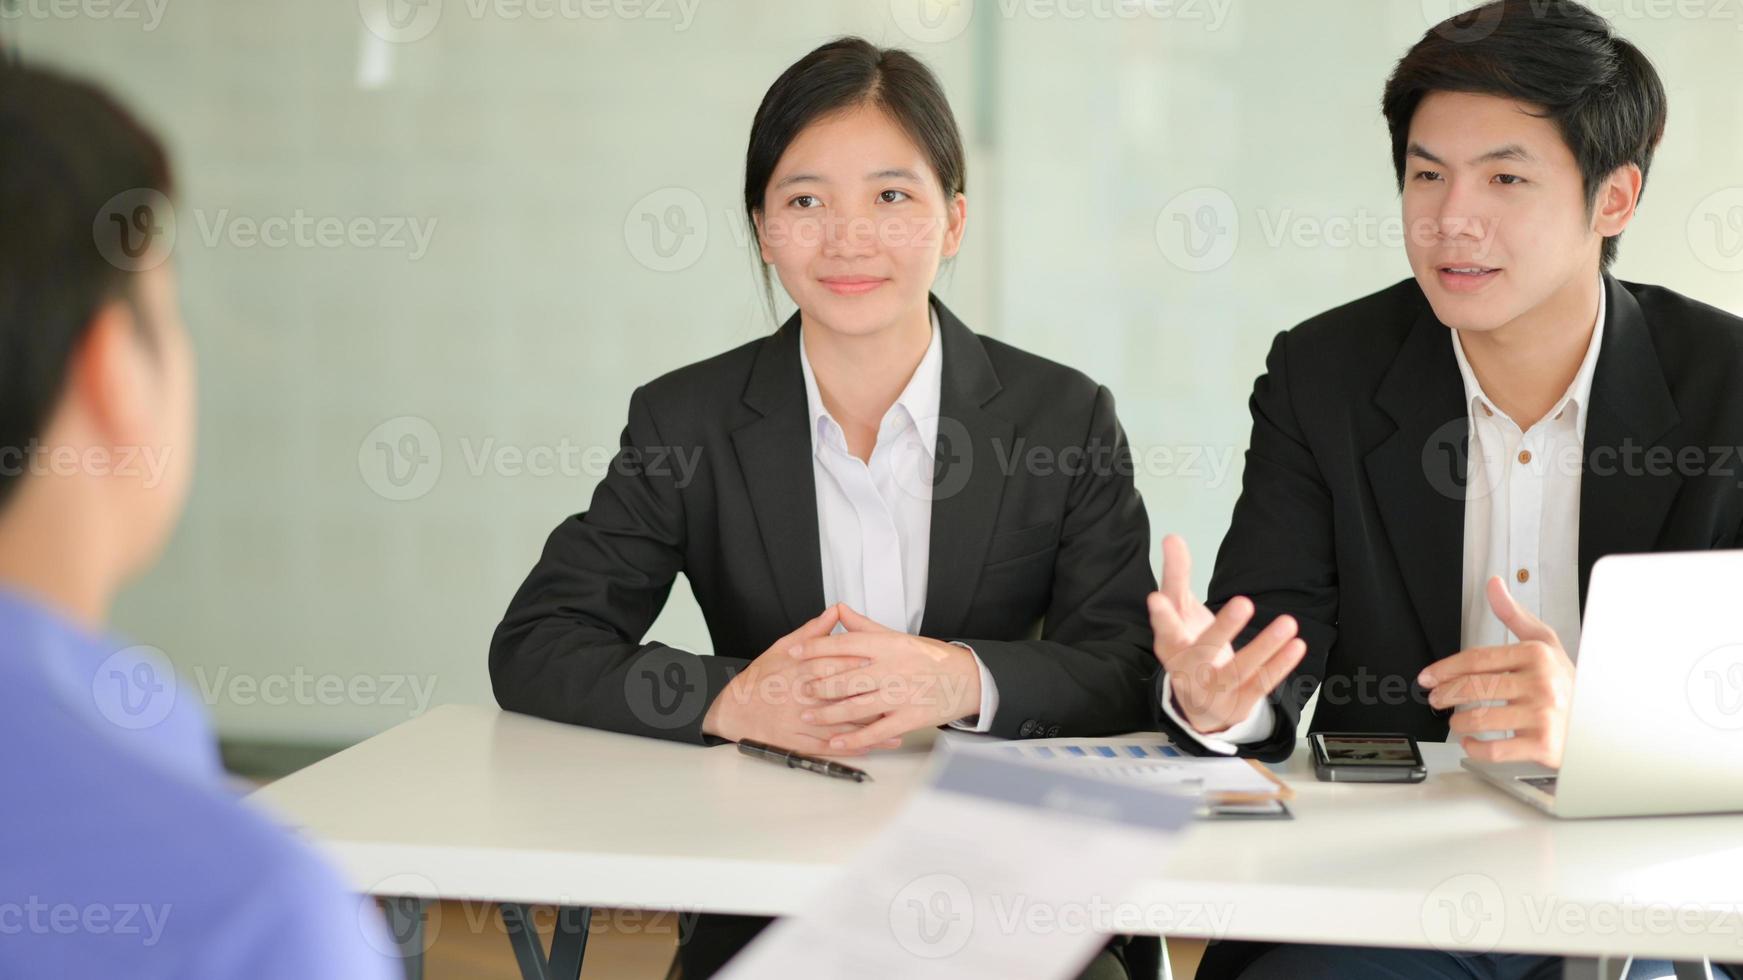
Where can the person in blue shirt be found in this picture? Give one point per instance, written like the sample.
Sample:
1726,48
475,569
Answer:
122,852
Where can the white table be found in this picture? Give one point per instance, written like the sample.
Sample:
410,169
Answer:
473,803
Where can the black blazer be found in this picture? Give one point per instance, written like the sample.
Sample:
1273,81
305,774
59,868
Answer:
1042,569
1351,514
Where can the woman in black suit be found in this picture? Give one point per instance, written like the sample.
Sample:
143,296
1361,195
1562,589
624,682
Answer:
889,522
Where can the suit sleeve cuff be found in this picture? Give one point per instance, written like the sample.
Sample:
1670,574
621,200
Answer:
1253,729
989,697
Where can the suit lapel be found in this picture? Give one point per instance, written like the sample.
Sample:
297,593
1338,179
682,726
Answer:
1622,505
1418,477
774,453
968,480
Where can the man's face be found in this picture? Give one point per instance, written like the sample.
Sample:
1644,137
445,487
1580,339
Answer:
1496,210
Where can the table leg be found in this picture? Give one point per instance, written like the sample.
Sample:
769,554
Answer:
405,923
568,945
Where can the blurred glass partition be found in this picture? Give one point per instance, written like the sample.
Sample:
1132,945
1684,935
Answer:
427,250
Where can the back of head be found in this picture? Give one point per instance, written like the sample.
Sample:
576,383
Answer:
96,373
68,154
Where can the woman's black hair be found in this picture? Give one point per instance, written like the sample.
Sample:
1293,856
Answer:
841,75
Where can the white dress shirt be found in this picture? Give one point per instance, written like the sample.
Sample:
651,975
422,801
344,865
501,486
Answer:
874,519
1522,522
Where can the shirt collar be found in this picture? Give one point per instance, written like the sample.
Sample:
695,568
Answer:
919,401
1578,395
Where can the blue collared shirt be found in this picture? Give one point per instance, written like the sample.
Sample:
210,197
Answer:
122,851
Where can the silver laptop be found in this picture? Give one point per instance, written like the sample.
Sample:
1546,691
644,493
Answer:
1656,725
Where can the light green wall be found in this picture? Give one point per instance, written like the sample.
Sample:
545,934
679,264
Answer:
531,147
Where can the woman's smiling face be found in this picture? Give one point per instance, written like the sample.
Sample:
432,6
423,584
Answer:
856,222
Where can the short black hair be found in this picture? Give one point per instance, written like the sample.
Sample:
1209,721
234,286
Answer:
1558,56
67,152
843,74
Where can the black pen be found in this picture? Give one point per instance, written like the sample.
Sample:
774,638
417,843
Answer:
796,760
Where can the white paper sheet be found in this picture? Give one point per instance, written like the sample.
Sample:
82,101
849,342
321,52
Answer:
999,868
1142,759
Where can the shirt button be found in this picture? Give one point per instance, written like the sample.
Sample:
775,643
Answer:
1525,456
1488,411
1524,576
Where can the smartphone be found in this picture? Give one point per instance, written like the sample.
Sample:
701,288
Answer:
1366,757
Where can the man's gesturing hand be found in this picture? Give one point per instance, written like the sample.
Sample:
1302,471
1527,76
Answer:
766,700
1214,686
905,683
1522,687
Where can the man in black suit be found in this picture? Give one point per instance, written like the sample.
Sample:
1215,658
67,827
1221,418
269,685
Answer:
1434,469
